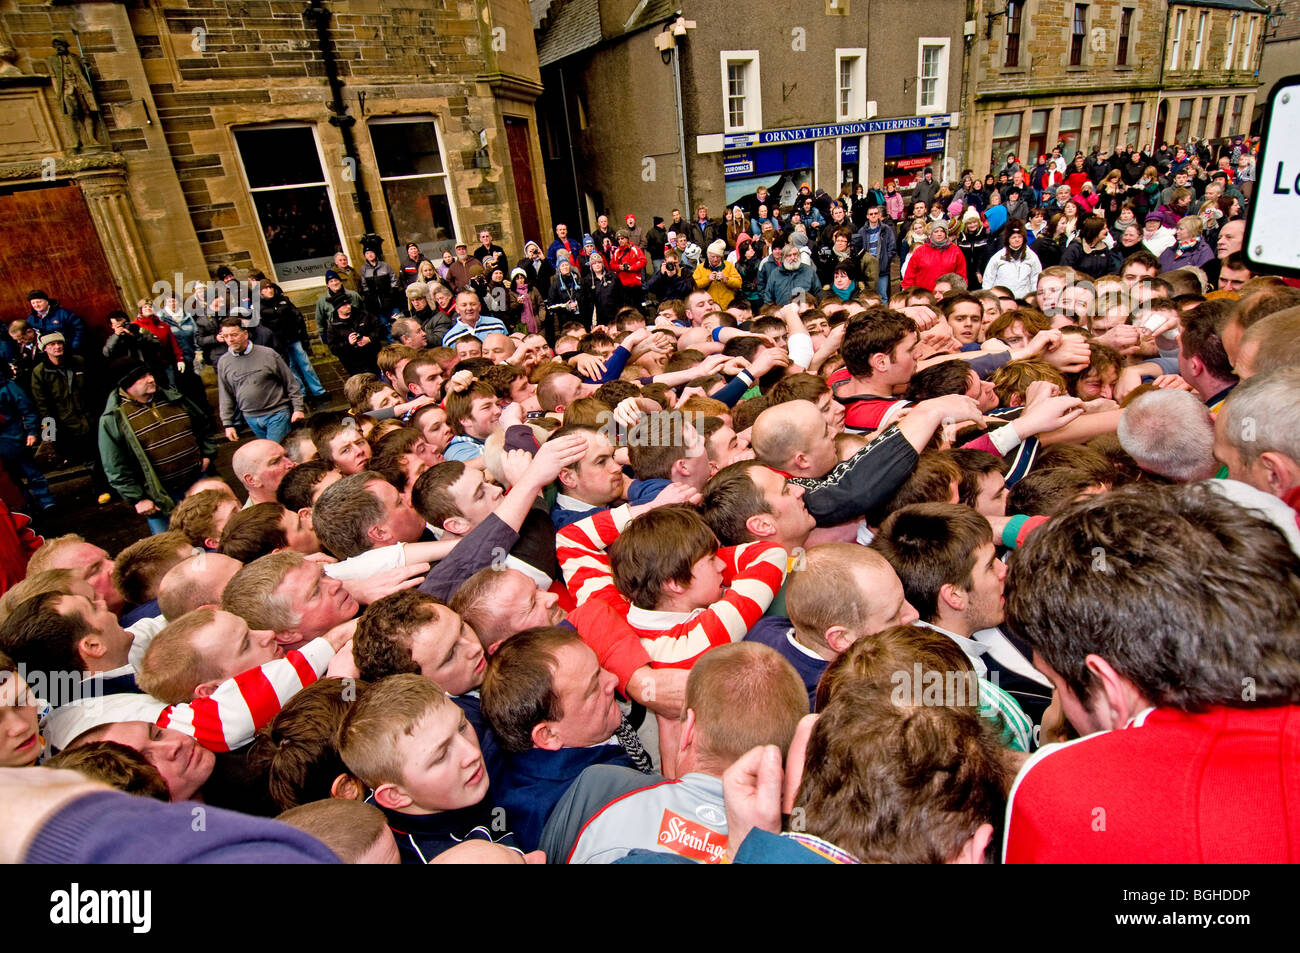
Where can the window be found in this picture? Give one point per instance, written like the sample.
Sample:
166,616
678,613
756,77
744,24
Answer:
1176,52
1250,39
1200,40
1006,137
1205,118
1183,130
932,75
1232,40
851,84
1218,118
1015,17
1116,120
1094,130
1068,131
1238,103
414,178
1134,129
1078,32
741,105
1125,33
1038,133
293,199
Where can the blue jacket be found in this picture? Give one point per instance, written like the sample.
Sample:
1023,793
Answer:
18,419
534,781
422,837
60,319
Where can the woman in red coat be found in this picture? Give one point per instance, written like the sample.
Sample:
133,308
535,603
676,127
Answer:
936,257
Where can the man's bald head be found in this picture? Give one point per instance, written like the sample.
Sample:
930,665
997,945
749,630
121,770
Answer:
197,581
260,465
784,430
497,348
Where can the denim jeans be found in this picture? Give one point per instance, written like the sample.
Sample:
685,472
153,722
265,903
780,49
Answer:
882,285
300,364
272,427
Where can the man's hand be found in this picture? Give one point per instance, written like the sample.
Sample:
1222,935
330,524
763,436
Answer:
146,507
296,416
203,466
1041,390
923,315
367,590
1071,356
628,411
343,665
232,434
1124,338
589,366
1100,405
31,796
460,381
662,690
1047,415
672,494
401,410
553,456
31,440
767,359
1172,382
341,634
751,791
1130,378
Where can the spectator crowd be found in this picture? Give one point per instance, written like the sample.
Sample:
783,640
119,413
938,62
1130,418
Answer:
958,526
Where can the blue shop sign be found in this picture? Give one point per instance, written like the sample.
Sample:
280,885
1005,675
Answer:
745,140
770,161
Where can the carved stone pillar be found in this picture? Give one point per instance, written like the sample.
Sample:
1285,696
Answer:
106,195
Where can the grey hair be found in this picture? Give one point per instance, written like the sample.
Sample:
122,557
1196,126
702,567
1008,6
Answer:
1261,413
345,513
1170,433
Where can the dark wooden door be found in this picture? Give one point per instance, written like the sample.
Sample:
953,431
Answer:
48,241
521,164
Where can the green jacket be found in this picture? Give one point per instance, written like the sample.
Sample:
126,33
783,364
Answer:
62,399
125,463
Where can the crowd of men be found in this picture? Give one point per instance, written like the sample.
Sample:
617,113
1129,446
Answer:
695,544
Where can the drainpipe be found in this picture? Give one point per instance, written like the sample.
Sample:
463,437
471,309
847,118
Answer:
681,125
318,15
578,199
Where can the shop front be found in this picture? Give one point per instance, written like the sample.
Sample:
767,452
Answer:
781,168
909,154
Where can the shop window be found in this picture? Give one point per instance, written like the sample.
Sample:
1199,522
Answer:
416,185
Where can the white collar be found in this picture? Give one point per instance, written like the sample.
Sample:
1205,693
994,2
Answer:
566,502
972,648
658,619
789,637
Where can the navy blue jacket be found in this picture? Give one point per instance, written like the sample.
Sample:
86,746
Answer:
533,783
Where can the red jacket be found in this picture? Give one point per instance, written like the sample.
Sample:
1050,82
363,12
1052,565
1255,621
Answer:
1174,787
928,263
634,259
159,329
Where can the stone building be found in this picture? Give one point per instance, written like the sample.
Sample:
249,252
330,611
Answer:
771,94
257,134
1107,73
1281,56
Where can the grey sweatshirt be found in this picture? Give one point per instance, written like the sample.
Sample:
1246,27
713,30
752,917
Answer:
255,383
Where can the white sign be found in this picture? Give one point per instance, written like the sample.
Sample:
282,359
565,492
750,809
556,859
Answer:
1270,229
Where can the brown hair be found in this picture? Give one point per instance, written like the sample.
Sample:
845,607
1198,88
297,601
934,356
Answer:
828,590
656,548
196,516
297,752
116,765
874,663
431,494
1013,379
172,667
140,567
253,532
373,724
518,690
348,828
460,405
931,545
743,695
894,784
386,630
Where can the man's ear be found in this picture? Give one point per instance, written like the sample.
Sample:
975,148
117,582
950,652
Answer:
972,852
288,637
91,646
207,688
380,534
211,543
952,597
348,788
839,639
762,525
390,796
1120,699
456,525
1280,472
880,362
794,761
568,478
544,737
1016,400
492,649
687,736
304,514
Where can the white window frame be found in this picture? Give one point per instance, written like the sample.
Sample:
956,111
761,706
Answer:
940,104
295,284
1250,41
1232,40
445,174
753,86
1176,53
857,58
1199,49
